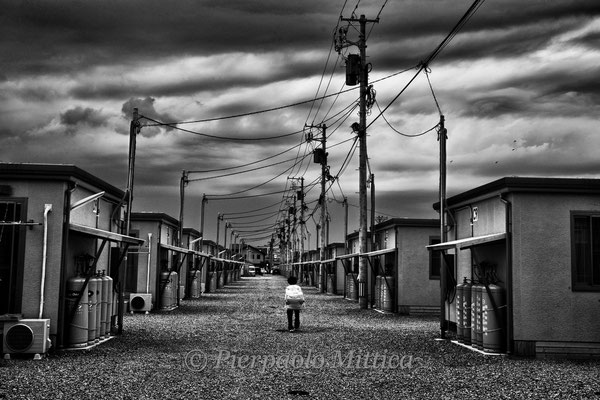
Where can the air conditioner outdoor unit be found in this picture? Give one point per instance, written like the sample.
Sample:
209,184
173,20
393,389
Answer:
140,302
26,336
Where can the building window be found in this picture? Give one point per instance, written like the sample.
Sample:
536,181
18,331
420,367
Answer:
434,260
585,251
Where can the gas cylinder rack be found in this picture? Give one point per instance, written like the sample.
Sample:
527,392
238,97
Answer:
92,288
481,310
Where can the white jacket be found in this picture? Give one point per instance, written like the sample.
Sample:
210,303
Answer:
294,298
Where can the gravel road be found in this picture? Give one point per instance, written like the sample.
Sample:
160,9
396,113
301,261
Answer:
234,344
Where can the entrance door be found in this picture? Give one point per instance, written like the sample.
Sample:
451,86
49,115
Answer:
12,239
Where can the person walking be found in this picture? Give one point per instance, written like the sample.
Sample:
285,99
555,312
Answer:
294,302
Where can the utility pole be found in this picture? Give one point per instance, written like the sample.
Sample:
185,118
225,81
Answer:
204,201
227,225
323,201
373,212
302,225
345,202
134,129
219,219
363,78
442,136
320,157
183,183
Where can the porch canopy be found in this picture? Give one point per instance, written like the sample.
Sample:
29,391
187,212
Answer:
107,235
466,243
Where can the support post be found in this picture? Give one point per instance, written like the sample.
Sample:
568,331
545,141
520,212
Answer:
443,232
322,255
202,207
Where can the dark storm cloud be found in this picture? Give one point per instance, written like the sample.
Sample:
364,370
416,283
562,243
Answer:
146,108
47,37
80,115
547,85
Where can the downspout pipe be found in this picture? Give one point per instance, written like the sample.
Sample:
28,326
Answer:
509,277
149,258
47,209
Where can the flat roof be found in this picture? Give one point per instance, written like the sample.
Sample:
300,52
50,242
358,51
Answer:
527,184
55,172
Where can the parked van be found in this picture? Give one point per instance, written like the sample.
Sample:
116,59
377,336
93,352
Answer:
251,271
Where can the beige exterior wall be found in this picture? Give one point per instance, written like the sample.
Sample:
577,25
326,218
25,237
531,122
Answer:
415,288
545,307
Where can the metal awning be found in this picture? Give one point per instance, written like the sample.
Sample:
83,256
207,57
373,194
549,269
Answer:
226,260
102,234
465,243
343,256
201,254
306,262
175,248
379,252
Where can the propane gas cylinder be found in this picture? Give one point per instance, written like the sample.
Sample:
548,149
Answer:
77,326
166,290
493,309
92,305
175,287
109,304
467,312
475,304
103,304
460,327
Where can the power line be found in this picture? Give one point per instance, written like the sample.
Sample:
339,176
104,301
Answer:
397,131
425,64
226,196
251,211
174,126
241,172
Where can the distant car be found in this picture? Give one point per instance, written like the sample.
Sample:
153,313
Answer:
275,271
251,271
263,271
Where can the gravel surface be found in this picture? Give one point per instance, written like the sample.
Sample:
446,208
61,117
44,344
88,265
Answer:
234,344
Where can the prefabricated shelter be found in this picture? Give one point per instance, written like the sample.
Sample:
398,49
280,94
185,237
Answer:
61,251
403,276
399,248
196,265
334,268
153,277
527,249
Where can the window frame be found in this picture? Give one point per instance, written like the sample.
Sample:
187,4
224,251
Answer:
578,286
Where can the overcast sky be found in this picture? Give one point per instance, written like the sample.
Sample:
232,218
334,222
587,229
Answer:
519,88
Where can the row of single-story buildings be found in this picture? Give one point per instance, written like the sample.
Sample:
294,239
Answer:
524,249
520,267
68,272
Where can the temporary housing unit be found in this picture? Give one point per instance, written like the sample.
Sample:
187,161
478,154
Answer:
524,267
334,269
154,279
400,252
196,265
403,276
61,252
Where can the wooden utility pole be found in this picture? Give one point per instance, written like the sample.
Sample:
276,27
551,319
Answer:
363,270
323,202
183,183
442,136
202,206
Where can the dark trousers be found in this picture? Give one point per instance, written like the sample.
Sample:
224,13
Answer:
296,322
